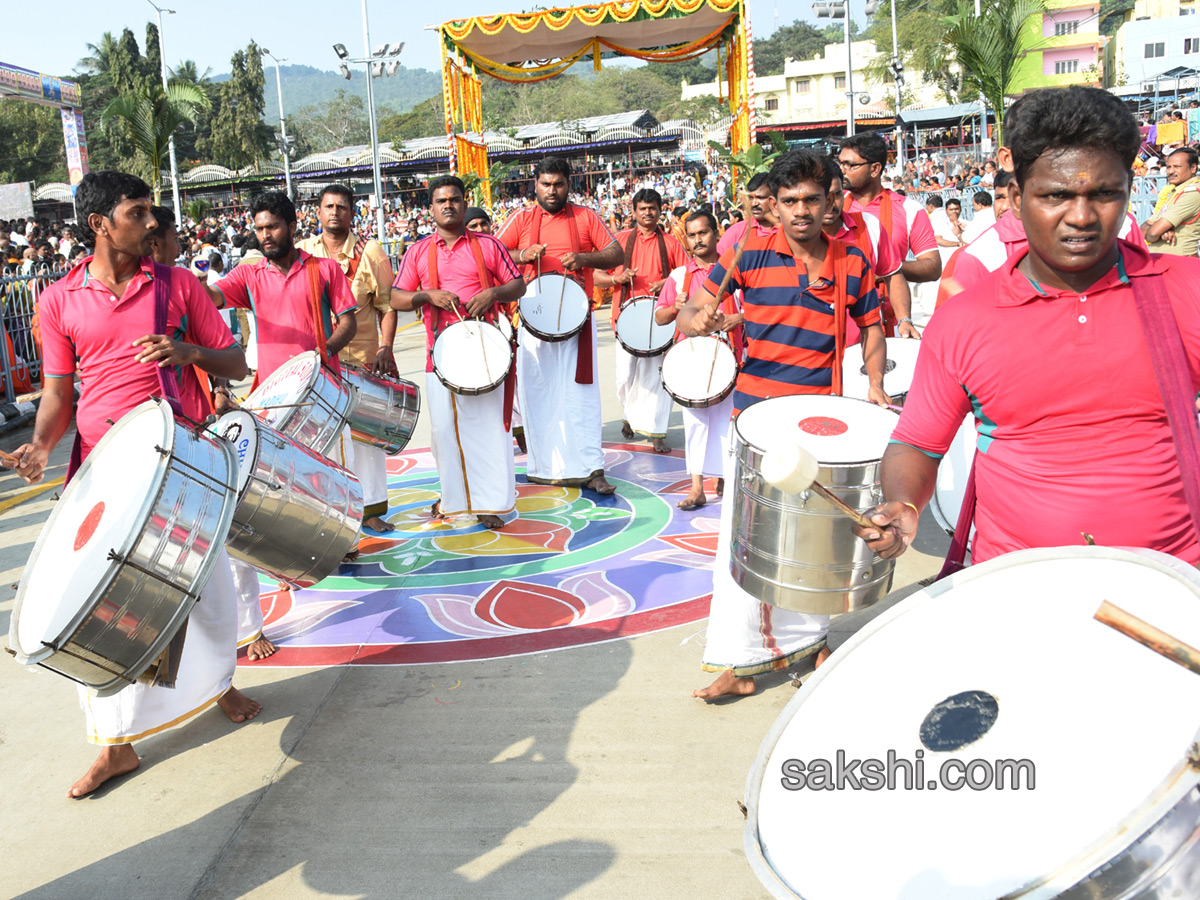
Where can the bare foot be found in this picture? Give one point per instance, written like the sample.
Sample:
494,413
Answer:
351,556
600,485
435,511
260,649
720,487
727,684
284,586
694,500
376,523
519,437
114,760
660,446
238,706
493,522
821,657
626,431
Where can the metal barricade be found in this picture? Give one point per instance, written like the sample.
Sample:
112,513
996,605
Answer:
19,293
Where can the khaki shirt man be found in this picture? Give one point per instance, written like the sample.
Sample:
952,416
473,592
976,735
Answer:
371,285
1175,226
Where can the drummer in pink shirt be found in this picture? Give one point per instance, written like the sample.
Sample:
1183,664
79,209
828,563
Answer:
762,215
1049,354
277,290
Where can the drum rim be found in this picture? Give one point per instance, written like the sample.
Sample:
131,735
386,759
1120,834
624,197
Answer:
259,425
840,464
704,403
471,392
113,569
1180,781
660,350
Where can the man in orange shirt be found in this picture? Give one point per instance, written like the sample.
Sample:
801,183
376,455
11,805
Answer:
557,381
650,256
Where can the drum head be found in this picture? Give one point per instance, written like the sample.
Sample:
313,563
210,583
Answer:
471,355
540,307
288,384
897,375
240,429
690,371
103,509
836,430
1003,661
952,477
638,332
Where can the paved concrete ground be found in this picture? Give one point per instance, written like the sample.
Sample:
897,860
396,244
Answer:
586,773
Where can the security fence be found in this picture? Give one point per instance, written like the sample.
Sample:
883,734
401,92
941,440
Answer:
21,355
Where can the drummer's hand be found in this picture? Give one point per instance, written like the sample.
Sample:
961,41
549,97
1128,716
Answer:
442,299
681,302
570,262
733,321
223,402
31,462
896,526
531,253
158,348
706,320
657,286
876,395
907,330
481,302
385,363
626,276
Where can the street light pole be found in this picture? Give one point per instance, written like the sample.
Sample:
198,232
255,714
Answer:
379,235
899,88
849,76
162,60
287,162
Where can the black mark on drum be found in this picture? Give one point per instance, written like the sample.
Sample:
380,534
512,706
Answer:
889,366
959,720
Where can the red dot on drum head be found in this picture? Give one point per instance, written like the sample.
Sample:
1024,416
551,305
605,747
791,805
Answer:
823,426
88,527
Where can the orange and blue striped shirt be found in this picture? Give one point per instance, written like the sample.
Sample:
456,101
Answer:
791,345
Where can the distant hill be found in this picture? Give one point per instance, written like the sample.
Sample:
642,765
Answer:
308,86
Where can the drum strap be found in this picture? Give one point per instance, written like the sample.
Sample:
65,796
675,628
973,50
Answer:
168,383
956,556
583,355
887,213
1174,377
313,270
664,264
356,258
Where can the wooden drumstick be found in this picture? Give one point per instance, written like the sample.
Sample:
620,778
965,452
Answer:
793,469
737,255
1145,633
8,459
538,280
562,292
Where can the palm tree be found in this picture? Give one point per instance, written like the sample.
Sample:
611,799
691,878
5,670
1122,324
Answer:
100,60
990,47
189,73
752,160
151,117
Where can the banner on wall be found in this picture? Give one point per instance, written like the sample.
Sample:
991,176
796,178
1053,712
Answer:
25,84
76,144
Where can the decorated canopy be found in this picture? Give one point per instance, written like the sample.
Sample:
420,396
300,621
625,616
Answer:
529,47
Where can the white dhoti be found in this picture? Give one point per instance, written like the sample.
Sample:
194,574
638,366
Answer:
706,438
205,673
472,450
744,634
249,609
645,402
562,418
370,468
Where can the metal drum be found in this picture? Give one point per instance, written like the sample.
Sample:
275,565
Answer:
797,551
638,332
699,372
554,308
304,400
897,372
1056,756
473,357
298,514
385,410
126,551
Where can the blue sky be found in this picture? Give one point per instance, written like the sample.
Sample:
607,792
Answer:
302,31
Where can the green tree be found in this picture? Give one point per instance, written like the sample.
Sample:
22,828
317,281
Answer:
752,160
800,40
152,116
334,123
423,120
31,143
114,66
990,46
239,137
926,58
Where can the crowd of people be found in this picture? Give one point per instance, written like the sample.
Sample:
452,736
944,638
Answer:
1039,293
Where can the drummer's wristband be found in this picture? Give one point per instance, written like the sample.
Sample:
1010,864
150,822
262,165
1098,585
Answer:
909,321
912,506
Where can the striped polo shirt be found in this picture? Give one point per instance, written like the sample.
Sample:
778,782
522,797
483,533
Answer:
789,327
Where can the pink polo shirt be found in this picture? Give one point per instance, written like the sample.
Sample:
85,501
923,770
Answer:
1072,430
84,326
730,303
734,234
282,307
457,273
907,225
